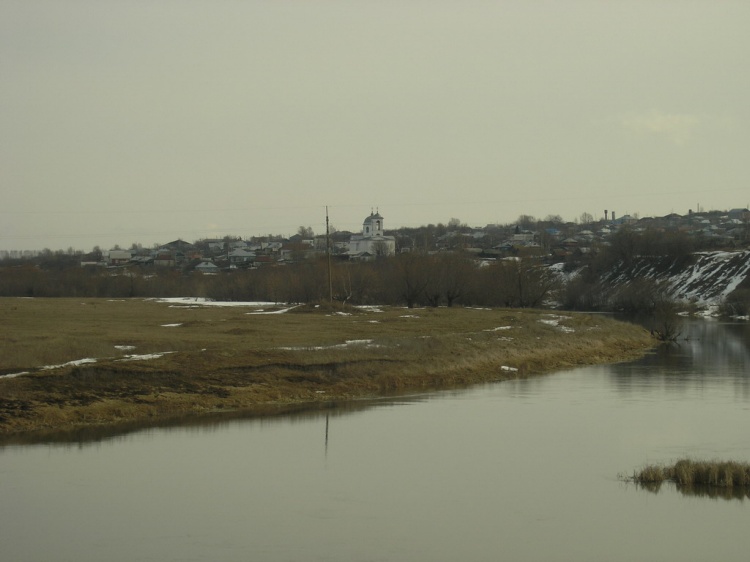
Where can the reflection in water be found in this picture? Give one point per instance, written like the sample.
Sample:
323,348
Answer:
326,445
714,492
711,492
709,351
264,415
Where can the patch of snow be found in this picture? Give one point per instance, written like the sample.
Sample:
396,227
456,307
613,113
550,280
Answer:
125,347
280,311
145,357
70,363
558,269
711,311
171,325
408,316
347,343
712,277
339,313
13,375
498,328
510,369
554,321
200,301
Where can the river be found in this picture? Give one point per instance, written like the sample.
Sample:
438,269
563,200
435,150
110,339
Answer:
521,470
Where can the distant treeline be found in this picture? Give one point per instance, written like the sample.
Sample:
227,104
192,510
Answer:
411,278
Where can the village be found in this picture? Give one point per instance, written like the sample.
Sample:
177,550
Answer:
551,240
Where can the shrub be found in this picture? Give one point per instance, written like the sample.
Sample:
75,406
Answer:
737,303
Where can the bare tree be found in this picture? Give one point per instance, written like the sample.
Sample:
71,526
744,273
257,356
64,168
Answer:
457,271
412,276
306,232
524,283
455,224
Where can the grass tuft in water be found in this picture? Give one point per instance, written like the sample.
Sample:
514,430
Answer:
689,474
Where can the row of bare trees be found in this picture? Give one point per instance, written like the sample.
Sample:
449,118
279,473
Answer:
411,279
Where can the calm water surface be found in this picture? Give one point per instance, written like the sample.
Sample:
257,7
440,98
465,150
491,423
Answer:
517,471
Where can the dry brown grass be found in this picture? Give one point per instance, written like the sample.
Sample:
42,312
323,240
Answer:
729,479
230,358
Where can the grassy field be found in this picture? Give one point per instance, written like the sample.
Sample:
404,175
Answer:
147,359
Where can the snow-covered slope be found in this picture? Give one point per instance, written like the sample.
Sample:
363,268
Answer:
705,280
712,277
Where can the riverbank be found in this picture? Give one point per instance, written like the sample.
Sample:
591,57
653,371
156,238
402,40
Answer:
71,363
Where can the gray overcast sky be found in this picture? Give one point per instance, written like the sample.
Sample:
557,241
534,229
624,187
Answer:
145,121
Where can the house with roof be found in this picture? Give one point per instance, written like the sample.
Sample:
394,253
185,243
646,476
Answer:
178,246
372,242
207,268
296,251
241,256
118,257
214,244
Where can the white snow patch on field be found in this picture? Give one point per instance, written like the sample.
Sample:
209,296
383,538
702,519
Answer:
200,301
347,343
70,363
498,328
509,369
125,347
554,321
280,311
12,375
146,356
171,325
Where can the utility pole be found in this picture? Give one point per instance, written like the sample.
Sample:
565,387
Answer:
328,251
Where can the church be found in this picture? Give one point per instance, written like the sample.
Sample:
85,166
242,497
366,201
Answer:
372,242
